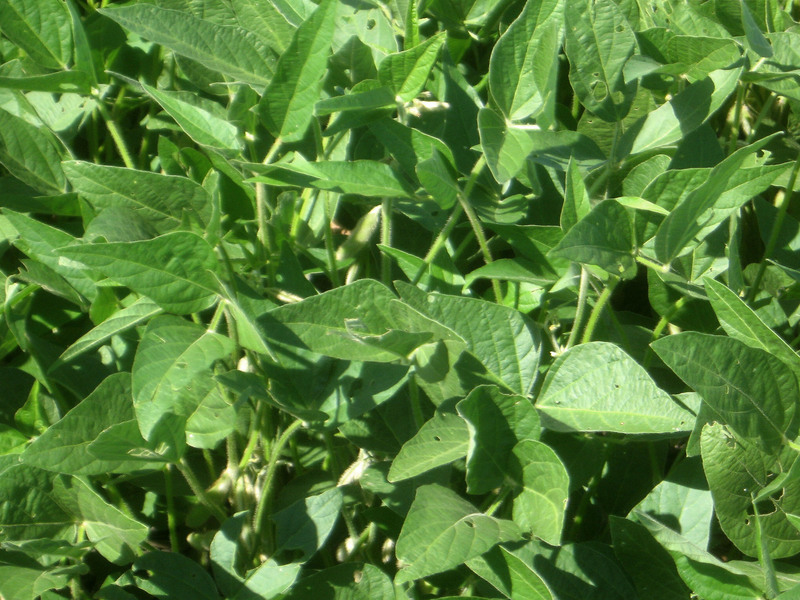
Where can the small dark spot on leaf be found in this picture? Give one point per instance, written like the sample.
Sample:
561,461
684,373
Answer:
371,24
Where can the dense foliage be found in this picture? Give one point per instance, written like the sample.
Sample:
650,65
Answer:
381,300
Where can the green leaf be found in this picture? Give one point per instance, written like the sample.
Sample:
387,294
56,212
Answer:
683,502
141,311
751,391
347,581
584,570
704,573
598,387
40,27
202,126
172,353
736,474
321,322
689,109
115,535
406,72
163,200
23,582
603,238
524,65
496,422
306,524
525,583
268,580
327,390
409,146
509,147
541,502
507,344
275,22
63,82
29,509
32,154
442,530
175,270
702,55
576,198
287,105
213,418
42,242
504,145
779,73
223,551
173,575
439,180
363,177
514,269
755,39
232,51
265,581
742,323
599,41
691,216
64,446
370,99
647,563
440,441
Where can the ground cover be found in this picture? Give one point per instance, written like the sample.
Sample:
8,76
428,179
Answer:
354,299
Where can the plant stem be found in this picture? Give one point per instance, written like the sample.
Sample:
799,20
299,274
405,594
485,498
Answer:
199,491
612,160
265,501
498,502
737,115
255,432
594,317
416,407
438,243
116,134
481,237
661,325
172,521
776,230
583,293
386,240
444,234
651,264
330,251
761,114
770,579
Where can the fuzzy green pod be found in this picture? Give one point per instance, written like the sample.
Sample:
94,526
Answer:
361,235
